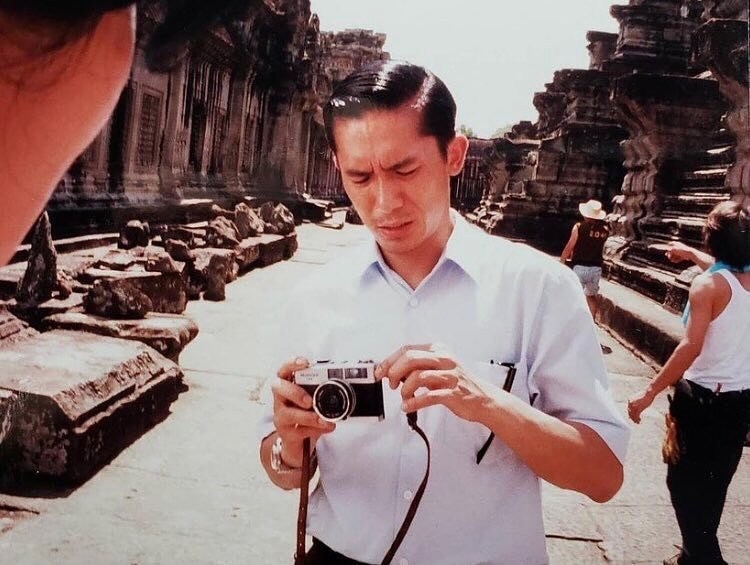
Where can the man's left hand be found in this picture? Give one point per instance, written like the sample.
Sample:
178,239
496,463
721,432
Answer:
433,368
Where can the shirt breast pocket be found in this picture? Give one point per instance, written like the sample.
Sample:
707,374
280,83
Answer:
469,439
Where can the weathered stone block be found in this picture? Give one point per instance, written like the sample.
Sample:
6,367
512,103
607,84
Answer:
178,250
115,298
40,279
222,232
82,398
134,234
247,253
167,333
7,405
275,248
13,329
166,291
247,220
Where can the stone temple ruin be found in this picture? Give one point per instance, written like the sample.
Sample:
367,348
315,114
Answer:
657,128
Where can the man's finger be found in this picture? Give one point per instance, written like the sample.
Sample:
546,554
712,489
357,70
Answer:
384,366
418,360
430,398
431,380
286,371
286,392
289,416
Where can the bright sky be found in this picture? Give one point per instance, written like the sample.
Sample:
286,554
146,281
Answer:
493,54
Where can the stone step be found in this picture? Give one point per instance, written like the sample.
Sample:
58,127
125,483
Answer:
639,321
710,176
665,229
652,254
692,204
659,285
82,398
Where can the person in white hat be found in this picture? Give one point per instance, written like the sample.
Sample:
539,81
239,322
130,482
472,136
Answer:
584,250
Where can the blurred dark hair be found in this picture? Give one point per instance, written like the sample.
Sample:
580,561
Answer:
727,234
183,21
387,85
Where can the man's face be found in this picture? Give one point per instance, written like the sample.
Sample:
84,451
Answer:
397,178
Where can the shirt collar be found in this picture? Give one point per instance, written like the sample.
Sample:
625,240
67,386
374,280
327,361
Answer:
461,250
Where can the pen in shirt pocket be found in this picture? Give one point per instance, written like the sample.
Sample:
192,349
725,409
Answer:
507,385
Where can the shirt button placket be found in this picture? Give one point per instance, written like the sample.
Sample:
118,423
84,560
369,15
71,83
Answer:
403,561
414,302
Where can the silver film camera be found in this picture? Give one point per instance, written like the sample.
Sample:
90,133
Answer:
343,390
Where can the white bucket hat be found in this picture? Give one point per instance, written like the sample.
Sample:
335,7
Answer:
592,209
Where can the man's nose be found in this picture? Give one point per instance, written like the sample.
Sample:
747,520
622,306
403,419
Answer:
387,197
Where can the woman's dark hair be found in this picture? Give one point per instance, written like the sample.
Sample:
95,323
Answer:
181,21
387,85
727,234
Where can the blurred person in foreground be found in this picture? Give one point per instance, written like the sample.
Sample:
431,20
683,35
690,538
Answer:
63,65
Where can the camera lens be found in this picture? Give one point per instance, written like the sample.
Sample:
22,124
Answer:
333,400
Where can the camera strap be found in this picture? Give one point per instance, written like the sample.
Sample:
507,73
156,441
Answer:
304,488
299,556
411,417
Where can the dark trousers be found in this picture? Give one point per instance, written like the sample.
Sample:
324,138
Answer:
321,554
711,429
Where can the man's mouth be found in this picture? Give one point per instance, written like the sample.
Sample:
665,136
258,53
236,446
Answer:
393,228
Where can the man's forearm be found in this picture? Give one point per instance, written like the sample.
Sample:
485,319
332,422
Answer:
567,454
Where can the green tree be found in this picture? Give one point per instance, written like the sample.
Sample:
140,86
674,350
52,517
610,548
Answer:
466,130
501,131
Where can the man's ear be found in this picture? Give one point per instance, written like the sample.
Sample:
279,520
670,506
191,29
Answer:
336,162
456,154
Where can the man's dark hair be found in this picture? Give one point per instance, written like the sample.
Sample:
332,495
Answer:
727,234
387,85
181,22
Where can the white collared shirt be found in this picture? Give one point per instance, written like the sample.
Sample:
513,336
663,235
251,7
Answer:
488,300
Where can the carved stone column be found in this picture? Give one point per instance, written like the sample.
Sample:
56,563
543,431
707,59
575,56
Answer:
722,46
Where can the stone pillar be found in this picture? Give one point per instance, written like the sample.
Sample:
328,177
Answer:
670,119
601,48
722,46
170,164
236,120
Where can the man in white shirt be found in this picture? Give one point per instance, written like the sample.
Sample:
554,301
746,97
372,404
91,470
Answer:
441,305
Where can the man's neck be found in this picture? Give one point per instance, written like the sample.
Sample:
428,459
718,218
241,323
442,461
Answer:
414,267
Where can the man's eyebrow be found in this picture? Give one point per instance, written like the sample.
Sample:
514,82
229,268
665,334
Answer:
357,172
405,162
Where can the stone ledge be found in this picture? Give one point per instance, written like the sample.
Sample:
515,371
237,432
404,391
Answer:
167,333
639,321
81,399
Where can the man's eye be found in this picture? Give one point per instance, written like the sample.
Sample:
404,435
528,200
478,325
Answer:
360,181
406,173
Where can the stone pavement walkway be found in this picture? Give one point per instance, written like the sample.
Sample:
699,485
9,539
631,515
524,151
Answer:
191,491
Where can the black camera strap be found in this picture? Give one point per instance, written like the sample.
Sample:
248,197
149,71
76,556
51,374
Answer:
299,556
411,417
304,488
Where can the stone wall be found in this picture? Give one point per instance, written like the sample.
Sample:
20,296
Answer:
240,115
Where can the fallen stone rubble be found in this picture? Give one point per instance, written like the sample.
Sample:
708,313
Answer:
90,340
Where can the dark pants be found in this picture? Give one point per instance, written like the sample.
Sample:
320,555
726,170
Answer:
711,429
321,554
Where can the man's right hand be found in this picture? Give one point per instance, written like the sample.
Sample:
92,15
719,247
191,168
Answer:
293,416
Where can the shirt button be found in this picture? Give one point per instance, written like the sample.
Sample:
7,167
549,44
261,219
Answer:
408,495
414,302
403,561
